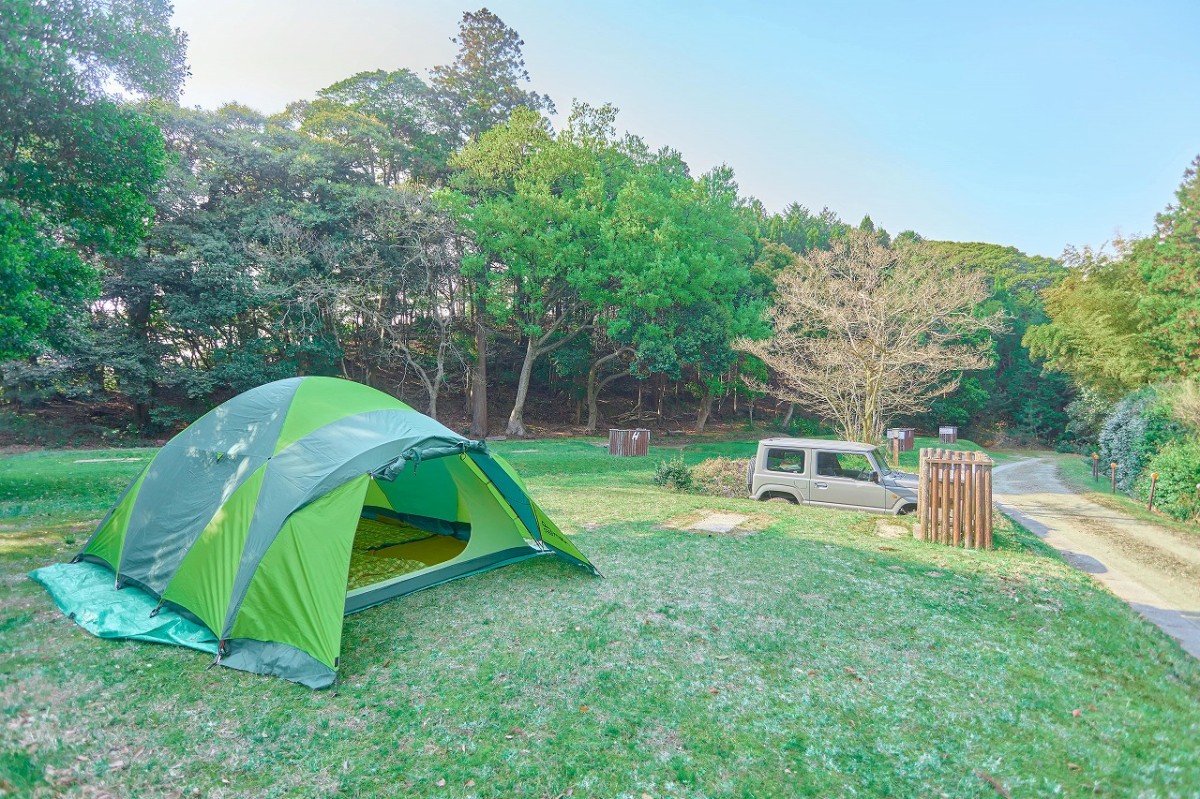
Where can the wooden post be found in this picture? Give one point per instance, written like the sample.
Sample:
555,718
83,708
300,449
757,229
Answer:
970,518
982,506
1095,467
947,498
922,497
958,497
987,516
1113,467
1153,480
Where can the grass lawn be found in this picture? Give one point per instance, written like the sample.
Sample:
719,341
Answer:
1076,471
808,658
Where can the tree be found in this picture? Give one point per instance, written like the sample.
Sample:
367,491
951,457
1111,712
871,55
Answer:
76,164
534,204
864,332
1169,265
1014,393
482,87
1096,327
1125,319
390,119
677,257
395,288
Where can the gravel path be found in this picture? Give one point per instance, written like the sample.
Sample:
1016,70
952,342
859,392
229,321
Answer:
1154,569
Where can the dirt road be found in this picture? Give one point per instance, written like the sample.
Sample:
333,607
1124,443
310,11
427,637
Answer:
1154,569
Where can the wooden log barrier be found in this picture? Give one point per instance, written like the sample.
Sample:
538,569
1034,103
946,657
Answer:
954,498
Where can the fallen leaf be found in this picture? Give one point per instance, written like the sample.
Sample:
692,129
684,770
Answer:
995,783
1076,712
714,690
470,783
1073,766
584,708
440,783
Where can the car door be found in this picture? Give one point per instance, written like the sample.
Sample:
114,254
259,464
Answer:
789,467
846,478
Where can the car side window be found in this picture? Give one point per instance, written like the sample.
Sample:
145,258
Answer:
785,460
844,465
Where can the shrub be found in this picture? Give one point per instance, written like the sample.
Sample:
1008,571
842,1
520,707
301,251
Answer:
721,477
1086,415
673,474
1178,468
1138,427
1183,399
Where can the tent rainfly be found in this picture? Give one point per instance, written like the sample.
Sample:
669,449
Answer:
252,532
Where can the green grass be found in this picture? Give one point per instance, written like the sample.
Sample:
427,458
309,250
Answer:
810,658
1076,471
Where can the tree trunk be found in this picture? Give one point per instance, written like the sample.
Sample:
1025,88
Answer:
516,419
705,409
593,395
479,402
594,387
434,390
787,417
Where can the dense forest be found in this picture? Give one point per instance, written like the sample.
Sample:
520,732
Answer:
438,238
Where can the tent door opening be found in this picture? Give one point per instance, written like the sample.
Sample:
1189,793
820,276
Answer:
388,544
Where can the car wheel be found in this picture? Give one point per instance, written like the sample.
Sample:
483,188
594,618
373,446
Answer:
750,475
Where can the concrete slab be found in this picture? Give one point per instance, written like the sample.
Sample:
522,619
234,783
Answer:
719,522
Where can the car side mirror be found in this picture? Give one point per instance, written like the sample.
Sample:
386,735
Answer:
874,477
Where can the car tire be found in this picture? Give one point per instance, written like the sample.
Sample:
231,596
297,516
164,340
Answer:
750,476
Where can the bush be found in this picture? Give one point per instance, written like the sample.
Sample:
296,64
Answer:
1138,427
1086,415
1178,468
1183,399
721,477
673,474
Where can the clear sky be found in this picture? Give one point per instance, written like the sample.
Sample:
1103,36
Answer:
1036,124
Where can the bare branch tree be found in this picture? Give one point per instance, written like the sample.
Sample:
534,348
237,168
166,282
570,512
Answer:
864,332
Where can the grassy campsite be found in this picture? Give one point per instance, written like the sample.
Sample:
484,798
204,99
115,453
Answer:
800,654
562,400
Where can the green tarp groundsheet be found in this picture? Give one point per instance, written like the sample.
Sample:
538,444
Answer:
253,531
86,594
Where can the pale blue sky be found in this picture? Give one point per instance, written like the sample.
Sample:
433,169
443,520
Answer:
1036,124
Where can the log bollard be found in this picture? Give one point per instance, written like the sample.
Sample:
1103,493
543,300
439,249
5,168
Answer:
1153,480
1113,466
1095,467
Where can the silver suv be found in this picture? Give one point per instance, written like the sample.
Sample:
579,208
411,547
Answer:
837,474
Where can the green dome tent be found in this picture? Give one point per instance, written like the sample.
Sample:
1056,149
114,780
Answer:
239,535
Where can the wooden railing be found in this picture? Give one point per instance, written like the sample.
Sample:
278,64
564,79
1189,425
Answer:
954,498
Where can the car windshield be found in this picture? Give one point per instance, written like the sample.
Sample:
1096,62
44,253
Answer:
881,458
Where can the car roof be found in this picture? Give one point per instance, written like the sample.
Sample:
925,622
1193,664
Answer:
819,443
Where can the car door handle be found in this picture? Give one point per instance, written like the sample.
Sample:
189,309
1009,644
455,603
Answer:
822,485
